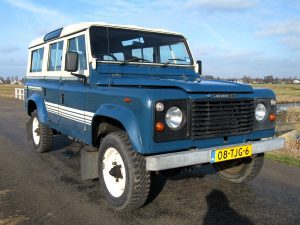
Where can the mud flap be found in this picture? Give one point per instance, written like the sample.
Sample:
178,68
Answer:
89,163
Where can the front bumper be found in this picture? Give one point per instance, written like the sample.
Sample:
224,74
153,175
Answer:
199,156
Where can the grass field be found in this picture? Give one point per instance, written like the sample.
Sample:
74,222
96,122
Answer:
8,90
285,92
284,157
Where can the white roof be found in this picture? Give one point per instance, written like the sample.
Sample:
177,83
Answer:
73,28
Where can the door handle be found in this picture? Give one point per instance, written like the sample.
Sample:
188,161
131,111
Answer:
62,99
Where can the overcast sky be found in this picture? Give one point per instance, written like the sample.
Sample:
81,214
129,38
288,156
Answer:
233,38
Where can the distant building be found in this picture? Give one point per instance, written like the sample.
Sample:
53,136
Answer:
296,81
236,81
16,82
1,82
209,77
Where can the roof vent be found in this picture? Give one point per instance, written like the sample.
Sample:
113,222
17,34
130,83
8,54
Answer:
53,34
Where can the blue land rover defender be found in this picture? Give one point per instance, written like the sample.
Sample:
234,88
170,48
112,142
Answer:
136,98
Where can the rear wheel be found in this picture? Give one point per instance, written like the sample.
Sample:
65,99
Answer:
240,170
40,134
122,172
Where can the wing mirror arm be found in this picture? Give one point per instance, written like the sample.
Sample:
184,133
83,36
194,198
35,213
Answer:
199,65
83,77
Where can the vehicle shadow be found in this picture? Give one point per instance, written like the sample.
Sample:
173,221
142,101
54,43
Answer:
61,142
159,180
220,212
219,209
68,148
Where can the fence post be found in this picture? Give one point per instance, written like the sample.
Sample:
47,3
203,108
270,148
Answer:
19,93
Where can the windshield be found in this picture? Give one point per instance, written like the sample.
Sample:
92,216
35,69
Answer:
124,46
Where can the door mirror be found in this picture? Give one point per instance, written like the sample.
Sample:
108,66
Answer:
199,63
71,64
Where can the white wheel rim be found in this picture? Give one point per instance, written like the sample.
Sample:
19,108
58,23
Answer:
36,131
113,162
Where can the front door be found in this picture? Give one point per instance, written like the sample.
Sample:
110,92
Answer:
72,119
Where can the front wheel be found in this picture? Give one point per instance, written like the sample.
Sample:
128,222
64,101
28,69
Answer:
240,170
122,172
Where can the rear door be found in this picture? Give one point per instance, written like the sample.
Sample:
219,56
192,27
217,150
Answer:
52,80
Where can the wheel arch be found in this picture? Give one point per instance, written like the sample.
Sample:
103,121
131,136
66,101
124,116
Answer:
109,118
36,102
31,106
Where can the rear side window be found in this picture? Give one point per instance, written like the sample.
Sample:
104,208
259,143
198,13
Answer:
77,44
37,60
55,56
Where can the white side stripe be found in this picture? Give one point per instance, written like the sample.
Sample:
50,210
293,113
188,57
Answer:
70,117
51,104
34,88
67,113
70,113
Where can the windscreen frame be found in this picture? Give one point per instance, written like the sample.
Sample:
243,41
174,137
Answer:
106,39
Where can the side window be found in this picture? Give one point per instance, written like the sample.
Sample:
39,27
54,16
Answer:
144,53
137,52
37,60
77,44
55,56
119,56
165,54
148,54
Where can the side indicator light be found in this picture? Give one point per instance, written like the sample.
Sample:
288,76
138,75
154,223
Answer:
159,127
272,117
127,100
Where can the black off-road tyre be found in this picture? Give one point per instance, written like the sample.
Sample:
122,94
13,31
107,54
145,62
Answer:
45,133
240,170
137,182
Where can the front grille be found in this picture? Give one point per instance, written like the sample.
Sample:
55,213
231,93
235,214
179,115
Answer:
221,117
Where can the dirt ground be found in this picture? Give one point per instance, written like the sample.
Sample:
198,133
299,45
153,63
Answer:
47,189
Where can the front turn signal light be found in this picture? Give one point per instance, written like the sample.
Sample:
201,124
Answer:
272,117
159,127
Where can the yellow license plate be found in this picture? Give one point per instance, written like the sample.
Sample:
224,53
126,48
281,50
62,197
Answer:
235,152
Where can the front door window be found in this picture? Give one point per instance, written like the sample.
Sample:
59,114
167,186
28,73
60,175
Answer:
77,44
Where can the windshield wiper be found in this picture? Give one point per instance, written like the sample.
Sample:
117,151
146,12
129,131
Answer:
170,60
134,59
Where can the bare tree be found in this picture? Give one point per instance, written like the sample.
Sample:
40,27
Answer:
7,80
247,79
269,79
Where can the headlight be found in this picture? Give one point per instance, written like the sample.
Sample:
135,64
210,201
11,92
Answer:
260,112
174,117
